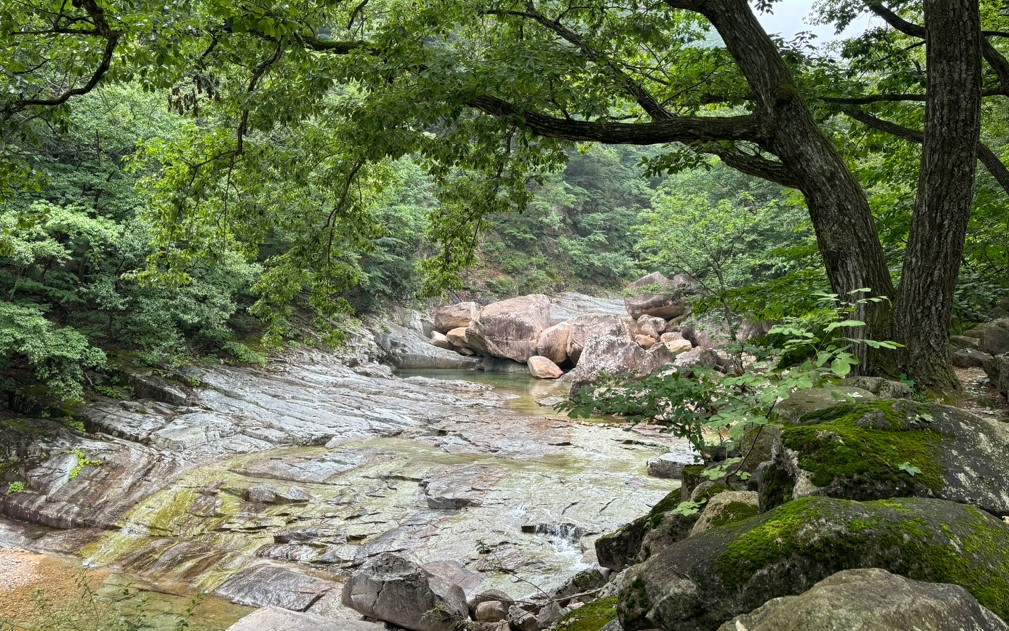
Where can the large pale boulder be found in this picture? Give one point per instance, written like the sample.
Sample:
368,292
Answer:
592,327
607,356
655,295
454,316
676,343
393,589
441,341
543,368
553,343
510,328
701,582
651,326
872,600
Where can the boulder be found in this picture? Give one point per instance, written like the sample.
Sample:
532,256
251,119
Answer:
969,357
644,341
889,449
591,327
543,368
962,341
622,548
655,295
725,508
553,343
457,338
676,343
882,388
491,611
670,465
810,401
871,600
997,369
598,615
651,326
699,583
407,349
995,337
607,356
697,337
439,340
510,328
582,585
393,589
488,596
461,314
698,357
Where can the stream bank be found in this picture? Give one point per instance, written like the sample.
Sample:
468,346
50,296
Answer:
267,487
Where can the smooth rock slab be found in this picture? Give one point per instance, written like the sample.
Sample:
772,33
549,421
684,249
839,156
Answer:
871,600
274,619
266,585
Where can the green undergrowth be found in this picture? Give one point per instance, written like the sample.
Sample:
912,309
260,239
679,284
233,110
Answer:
923,539
869,442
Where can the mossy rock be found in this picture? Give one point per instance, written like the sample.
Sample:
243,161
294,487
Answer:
699,583
622,548
593,616
871,600
806,402
884,449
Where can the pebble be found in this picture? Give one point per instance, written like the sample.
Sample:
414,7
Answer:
17,569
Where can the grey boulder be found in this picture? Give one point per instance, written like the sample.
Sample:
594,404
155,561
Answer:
396,590
871,600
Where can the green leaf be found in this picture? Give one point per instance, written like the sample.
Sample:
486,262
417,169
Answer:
840,367
909,468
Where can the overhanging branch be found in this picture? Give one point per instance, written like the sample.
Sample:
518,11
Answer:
678,129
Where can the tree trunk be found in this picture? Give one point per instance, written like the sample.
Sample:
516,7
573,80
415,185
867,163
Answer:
945,190
838,208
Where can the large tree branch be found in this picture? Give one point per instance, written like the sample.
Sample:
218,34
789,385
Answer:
755,165
985,155
678,129
102,29
640,95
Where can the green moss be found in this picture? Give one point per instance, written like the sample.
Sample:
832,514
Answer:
634,604
733,512
591,617
666,504
867,443
923,539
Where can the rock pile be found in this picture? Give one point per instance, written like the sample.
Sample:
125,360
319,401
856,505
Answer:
865,514
396,590
522,331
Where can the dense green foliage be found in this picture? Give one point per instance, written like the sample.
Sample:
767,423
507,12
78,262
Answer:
176,179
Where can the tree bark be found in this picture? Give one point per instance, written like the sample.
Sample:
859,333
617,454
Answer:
945,189
845,230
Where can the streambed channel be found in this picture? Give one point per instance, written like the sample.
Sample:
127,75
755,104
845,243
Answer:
312,469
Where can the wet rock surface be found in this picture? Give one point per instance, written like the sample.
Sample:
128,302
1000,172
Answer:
272,486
